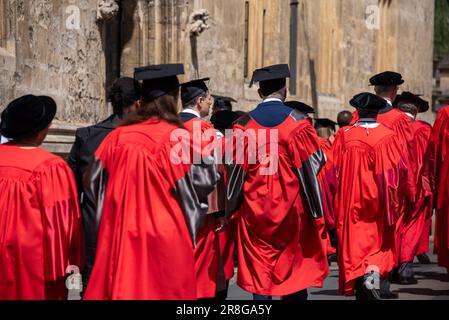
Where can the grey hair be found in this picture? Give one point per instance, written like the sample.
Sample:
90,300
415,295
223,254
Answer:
408,107
384,91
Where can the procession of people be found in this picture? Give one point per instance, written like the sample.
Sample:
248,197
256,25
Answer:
176,193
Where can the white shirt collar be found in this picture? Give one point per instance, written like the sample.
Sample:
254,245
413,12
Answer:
272,100
3,140
367,123
191,111
410,115
389,102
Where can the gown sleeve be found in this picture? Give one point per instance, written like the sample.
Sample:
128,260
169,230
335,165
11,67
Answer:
193,181
308,160
328,183
404,130
236,168
61,220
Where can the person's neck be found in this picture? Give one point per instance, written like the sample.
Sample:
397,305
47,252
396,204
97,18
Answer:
195,111
268,99
26,144
367,119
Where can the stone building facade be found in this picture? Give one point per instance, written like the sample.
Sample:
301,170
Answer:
74,49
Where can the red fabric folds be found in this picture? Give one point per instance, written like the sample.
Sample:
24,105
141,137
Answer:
40,226
369,167
144,251
417,216
281,248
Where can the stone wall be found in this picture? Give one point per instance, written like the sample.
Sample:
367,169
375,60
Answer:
336,51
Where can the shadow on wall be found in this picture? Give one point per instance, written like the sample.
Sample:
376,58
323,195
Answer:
115,33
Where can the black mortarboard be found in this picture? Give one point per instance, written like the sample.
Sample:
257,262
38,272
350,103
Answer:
158,80
223,103
272,78
423,105
304,108
325,123
223,119
27,115
192,89
387,78
368,101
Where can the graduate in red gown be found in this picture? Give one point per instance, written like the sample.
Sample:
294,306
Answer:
417,217
436,180
369,166
386,86
197,102
150,199
40,222
273,185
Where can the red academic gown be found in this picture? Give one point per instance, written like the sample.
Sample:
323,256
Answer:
369,168
401,124
436,180
417,218
40,224
281,231
328,183
207,251
153,206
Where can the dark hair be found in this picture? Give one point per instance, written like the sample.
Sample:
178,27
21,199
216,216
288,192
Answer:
344,118
164,107
192,103
123,94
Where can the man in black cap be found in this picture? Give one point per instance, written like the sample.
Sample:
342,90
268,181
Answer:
124,96
40,222
368,158
222,103
196,100
277,196
386,85
414,228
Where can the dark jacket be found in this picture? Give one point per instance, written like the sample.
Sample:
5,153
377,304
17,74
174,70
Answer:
87,141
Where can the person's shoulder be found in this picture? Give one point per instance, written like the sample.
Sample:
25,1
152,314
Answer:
399,115
420,124
46,159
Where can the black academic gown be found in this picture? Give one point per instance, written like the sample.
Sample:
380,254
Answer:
87,141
